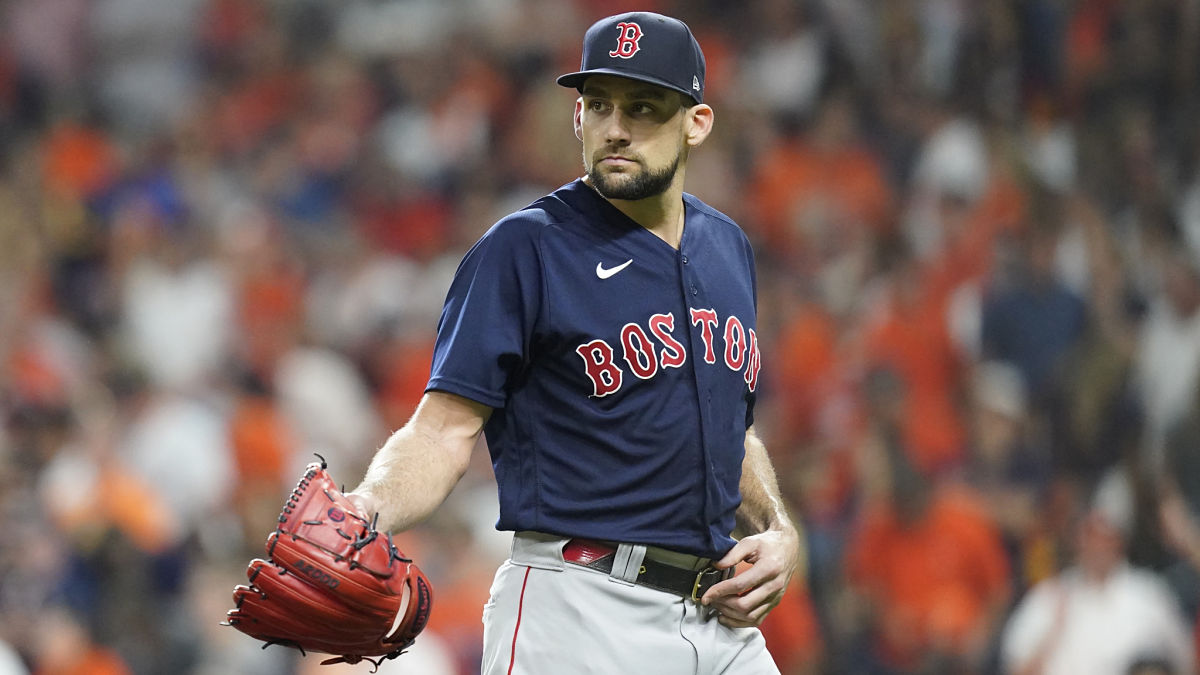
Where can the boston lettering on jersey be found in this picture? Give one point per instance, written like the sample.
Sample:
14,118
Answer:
644,356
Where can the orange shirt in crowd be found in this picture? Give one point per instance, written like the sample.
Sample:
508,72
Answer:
936,581
404,372
970,243
911,339
806,363
270,306
261,443
795,180
78,161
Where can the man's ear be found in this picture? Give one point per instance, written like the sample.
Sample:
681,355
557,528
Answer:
698,125
579,118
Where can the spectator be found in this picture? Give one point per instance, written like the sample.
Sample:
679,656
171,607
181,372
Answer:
904,331
926,559
1030,318
1011,473
1101,615
1167,361
176,304
1093,413
1179,509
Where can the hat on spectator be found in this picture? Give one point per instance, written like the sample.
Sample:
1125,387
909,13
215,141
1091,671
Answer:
642,46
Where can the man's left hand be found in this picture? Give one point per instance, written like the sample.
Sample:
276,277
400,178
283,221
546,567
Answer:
744,600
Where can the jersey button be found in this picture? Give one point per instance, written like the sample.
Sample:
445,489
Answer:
685,260
694,291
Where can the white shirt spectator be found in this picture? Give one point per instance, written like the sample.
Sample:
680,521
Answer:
1167,368
180,446
1097,628
178,322
328,405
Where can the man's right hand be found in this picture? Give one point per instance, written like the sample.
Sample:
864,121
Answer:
364,502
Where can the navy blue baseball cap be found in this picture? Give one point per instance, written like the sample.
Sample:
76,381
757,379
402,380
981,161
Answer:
642,46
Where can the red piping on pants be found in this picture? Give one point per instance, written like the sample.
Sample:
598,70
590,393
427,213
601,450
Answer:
512,657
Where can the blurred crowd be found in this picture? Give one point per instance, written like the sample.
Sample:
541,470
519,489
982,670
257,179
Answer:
226,229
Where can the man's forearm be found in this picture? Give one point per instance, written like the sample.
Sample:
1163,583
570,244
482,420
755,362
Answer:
762,506
767,539
418,466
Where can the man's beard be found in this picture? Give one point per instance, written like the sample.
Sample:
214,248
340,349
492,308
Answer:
647,183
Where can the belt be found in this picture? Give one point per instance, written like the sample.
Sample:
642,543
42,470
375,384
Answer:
660,576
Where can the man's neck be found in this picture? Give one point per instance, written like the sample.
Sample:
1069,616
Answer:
662,214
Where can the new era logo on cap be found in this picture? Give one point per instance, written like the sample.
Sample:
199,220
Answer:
643,46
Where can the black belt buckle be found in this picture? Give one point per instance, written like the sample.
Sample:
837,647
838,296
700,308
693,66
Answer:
720,575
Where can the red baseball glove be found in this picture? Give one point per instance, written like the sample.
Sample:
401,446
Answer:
332,583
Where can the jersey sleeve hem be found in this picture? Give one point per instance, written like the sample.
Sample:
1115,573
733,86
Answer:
466,391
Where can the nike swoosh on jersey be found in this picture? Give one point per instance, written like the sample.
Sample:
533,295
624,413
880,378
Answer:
604,273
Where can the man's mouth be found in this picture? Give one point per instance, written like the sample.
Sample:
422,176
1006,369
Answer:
616,161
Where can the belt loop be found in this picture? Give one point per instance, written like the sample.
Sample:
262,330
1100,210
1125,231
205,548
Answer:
534,549
627,564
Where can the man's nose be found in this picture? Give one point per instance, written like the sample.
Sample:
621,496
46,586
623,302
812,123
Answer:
616,129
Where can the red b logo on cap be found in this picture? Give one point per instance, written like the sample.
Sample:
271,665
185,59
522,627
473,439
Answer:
627,41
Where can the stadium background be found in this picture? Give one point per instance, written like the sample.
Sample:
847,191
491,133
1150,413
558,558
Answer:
226,227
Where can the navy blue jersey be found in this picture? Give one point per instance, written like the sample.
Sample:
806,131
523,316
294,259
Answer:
622,370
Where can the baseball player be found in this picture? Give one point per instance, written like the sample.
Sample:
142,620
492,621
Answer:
603,339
